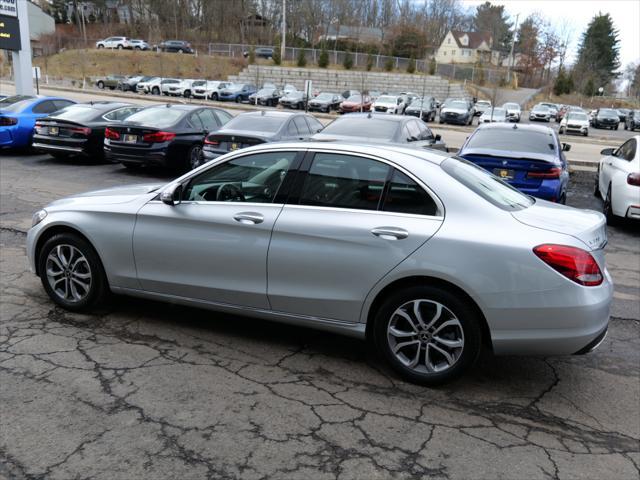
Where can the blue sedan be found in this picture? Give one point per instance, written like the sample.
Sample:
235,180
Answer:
529,157
237,92
17,119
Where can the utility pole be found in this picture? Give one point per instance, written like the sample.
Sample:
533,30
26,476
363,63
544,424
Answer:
513,43
283,40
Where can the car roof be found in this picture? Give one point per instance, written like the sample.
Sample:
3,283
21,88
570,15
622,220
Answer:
105,105
527,127
269,113
181,106
377,115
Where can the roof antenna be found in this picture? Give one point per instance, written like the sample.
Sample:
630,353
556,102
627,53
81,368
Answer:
515,126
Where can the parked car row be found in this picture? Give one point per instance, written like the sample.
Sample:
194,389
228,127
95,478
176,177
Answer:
122,43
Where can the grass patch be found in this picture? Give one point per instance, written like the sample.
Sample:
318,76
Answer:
86,63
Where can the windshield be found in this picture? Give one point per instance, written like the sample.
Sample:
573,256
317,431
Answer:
386,99
234,87
512,140
513,106
607,112
377,128
577,116
355,99
483,103
258,123
497,112
457,104
76,113
265,91
13,99
160,117
199,83
541,108
324,96
486,185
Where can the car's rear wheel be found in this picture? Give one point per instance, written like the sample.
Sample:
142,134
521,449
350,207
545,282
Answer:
187,93
596,186
607,207
71,272
100,46
194,157
100,85
155,91
427,334
214,96
120,47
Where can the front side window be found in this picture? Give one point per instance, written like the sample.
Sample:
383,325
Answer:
344,181
251,178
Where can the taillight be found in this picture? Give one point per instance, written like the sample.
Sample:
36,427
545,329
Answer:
8,121
209,141
111,134
80,130
551,173
634,179
574,263
157,137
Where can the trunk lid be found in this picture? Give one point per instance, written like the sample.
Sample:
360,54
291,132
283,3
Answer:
588,226
229,141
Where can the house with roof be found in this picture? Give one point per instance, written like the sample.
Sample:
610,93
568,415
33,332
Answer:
468,47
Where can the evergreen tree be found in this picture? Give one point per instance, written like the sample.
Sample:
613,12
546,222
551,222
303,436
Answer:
347,63
302,58
432,66
411,66
589,88
599,52
369,62
388,64
323,59
560,85
277,59
493,19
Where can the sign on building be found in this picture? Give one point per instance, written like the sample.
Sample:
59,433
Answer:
9,33
9,8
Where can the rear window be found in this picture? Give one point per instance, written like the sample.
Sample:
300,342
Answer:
17,106
486,185
13,99
160,117
607,112
512,140
77,113
256,123
363,127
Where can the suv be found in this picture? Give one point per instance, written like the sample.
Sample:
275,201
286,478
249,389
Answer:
167,83
139,44
633,120
208,89
260,52
606,118
114,42
150,86
177,46
110,81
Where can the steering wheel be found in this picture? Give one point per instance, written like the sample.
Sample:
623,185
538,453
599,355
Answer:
229,192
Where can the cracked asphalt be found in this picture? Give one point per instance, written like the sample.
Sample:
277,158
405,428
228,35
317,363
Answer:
143,390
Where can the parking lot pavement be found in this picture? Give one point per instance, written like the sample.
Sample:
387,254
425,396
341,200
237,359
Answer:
147,390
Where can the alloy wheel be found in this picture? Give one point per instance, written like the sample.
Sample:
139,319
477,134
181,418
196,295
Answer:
425,336
68,273
195,157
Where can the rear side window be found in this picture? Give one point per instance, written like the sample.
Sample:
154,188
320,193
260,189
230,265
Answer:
208,119
343,181
406,196
486,185
314,125
45,107
303,128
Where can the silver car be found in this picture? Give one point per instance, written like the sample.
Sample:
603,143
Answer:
427,255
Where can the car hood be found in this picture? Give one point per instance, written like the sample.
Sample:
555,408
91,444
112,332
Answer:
576,122
108,196
315,101
385,104
588,226
541,112
454,110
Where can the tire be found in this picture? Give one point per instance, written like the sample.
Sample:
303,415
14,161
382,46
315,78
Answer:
214,97
586,134
180,51
187,93
596,186
452,307
238,99
617,126
194,157
100,85
120,47
81,277
625,126
607,208
155,91
561,131
137,48
100,46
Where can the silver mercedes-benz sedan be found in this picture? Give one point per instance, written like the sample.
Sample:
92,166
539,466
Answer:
426,255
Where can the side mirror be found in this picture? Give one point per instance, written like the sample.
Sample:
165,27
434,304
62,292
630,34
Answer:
606,151
438,137
566,147
172,195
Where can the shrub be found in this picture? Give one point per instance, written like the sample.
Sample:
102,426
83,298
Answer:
432,66
348,61
411,66
277,59
369,62
252,55
388,64
302,58
323,60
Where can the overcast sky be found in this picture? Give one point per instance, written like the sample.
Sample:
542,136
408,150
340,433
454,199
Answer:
577,14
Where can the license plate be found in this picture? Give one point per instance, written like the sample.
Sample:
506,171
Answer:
234,146
53,130
504,173
130,138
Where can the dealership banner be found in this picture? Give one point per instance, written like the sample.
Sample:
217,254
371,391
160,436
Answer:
9,33
9,8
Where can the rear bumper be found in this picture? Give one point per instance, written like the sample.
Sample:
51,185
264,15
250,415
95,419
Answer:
44,147
156,156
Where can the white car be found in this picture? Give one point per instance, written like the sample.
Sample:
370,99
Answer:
167,83
150,86
494,115
114,42
574,122
618,181
137,44
181,89
541,113
513,111
388,104
208,88
482,106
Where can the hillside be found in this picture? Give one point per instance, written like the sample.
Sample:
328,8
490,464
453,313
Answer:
76,64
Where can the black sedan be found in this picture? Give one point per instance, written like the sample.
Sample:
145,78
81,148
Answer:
177,46
381,128
295,99
266,96
426,106
325,102
79,129
253,128
165,135
606,118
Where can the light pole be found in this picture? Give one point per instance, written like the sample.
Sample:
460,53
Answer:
513,43
283,41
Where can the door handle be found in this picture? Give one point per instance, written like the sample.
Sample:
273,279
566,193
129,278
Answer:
390,233
249,218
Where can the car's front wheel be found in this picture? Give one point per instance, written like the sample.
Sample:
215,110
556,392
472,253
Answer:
71,272
427,334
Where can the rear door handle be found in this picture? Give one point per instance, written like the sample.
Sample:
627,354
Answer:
390,233
249,218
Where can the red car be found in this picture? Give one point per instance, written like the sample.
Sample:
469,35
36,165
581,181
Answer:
356,103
